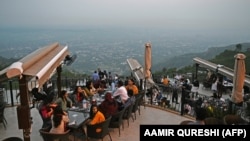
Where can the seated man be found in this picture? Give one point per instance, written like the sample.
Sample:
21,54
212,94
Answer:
121,91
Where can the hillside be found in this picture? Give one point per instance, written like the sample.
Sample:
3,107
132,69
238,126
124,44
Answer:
227,59
187,59
4,62
220,55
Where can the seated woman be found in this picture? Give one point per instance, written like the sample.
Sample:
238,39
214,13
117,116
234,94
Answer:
131,86
79,95
109,106
96,117
64,101
59,120
90,89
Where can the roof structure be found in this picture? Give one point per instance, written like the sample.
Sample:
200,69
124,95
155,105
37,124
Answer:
39,65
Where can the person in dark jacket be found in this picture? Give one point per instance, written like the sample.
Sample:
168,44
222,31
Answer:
109,106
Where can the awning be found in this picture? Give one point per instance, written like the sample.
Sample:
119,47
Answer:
39,64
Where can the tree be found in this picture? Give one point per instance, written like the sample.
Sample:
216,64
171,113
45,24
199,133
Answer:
164,69
238,47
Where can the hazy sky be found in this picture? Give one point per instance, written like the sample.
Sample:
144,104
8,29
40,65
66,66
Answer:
168,14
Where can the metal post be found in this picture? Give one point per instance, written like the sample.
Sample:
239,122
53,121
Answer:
182,100
66,82
23,111
11,93
196,71
59,87
141,83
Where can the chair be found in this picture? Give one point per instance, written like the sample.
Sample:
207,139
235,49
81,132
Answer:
12,139
213,121
141,102
116,120
2,117
47,136
91,130
128,113
136,106
233,120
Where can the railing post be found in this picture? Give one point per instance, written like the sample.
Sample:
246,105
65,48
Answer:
66,82
141,83
11,93
59,85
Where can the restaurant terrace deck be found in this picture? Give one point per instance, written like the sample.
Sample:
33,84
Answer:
129,133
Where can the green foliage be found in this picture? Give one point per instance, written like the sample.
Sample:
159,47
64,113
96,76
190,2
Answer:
226,58
216,112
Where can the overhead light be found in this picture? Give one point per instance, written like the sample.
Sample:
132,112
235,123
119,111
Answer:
138,68
70,59
219,66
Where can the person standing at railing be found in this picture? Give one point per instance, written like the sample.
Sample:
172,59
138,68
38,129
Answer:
220,86
175,93
195,88
214,87
110,78
95,76
184,94
165,81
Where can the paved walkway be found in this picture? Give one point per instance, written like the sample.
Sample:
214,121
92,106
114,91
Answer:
149,115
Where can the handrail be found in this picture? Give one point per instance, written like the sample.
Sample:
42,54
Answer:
228,72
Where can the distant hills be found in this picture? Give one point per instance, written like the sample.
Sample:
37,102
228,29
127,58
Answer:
4,62
221,55
187,59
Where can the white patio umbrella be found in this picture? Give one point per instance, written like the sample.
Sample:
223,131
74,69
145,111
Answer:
147,72
239,78
147,67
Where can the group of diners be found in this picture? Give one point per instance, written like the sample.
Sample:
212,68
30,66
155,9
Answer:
54,112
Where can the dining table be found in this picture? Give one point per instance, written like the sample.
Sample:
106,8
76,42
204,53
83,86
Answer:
77,119
78,116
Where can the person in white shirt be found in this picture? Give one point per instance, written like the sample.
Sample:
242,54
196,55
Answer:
214,87
121,91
